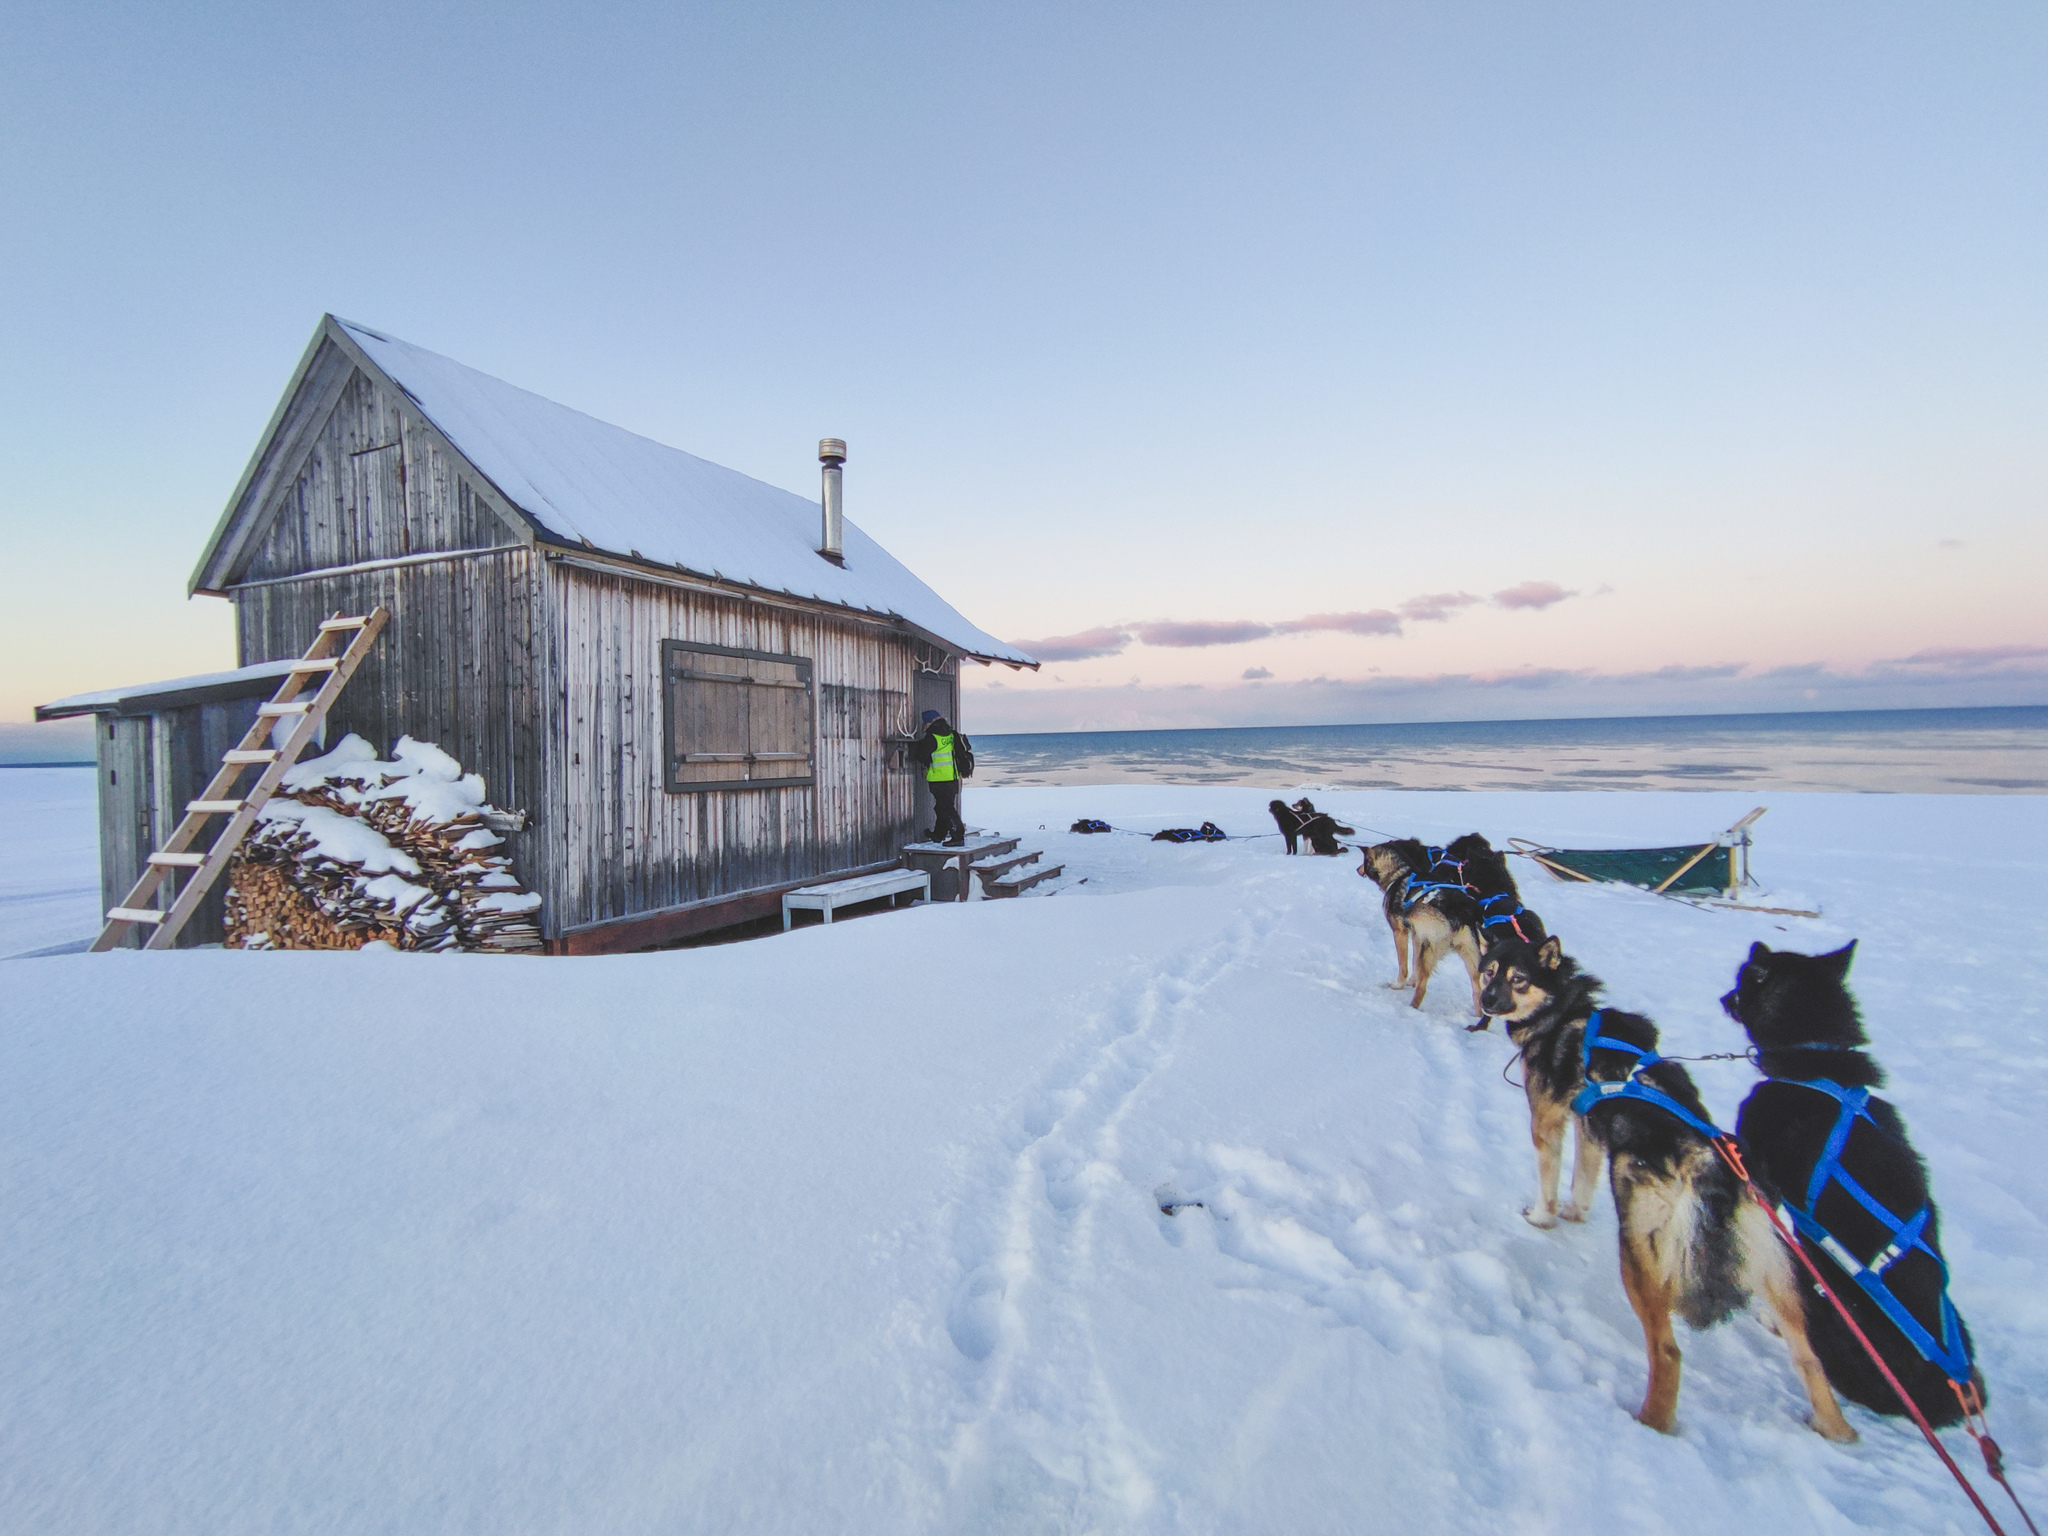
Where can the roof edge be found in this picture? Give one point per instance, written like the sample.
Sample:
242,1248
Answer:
605,562
196,582
171,693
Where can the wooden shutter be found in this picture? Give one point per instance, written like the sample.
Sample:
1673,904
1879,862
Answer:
736,719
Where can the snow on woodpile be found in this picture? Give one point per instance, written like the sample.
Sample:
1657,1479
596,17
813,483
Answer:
352,849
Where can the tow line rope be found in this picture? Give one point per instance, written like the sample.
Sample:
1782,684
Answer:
1972,1403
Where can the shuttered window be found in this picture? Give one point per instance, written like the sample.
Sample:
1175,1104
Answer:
735,719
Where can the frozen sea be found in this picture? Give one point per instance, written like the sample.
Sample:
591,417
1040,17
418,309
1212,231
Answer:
1907,751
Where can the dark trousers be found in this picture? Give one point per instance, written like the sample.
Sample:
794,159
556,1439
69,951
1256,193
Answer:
946,806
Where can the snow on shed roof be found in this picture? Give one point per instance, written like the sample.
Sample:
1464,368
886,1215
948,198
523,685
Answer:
173,693
581,480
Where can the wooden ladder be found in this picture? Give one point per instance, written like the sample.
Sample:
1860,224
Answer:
220,799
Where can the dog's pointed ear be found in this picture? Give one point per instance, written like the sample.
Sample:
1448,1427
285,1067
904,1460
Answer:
1842,957
1759,952
1550,952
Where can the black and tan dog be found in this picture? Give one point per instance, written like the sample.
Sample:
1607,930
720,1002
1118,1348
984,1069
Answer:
1438,917
1802,1020
1692,1243
1501,913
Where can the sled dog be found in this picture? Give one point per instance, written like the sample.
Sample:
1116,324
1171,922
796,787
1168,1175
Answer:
1302,819
1439,917
1289,820
1692,1243
1803,1023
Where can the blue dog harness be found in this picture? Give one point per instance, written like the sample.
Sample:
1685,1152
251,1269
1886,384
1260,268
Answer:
1949,1352
1633,1086
1493,919
1439,860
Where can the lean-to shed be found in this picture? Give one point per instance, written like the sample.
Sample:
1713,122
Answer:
697,703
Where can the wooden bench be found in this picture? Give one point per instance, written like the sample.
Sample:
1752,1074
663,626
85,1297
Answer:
847,893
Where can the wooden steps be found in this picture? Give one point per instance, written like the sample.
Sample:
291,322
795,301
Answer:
1021,881
222,797
993,869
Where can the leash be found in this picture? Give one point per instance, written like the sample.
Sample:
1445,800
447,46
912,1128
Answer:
1973,1412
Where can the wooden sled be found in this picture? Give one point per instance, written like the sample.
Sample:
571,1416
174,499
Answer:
1717,868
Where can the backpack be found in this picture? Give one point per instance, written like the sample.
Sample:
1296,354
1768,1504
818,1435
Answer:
1091,826
963,755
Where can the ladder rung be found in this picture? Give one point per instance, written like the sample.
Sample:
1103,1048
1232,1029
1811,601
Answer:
333,624
324,664
239,756
212,807
134,915
296,707
178,860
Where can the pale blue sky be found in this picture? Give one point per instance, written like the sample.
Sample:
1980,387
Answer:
1728,320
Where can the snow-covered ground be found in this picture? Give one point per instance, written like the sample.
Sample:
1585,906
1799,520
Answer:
859,1229
49,858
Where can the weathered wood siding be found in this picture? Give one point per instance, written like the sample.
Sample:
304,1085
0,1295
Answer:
150,767
625,845
375,486
126,797
464,663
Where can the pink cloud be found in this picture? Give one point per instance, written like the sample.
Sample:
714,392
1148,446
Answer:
1435,607
1953,658
1378,621
1531,594
1199,632
1109,640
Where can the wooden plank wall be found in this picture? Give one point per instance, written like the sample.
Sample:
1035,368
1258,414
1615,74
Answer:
625,845
150,767
375,487
464,663
126,797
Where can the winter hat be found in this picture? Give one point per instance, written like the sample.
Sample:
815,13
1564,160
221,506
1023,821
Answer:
931,714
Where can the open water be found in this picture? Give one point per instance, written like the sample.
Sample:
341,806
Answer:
1904,751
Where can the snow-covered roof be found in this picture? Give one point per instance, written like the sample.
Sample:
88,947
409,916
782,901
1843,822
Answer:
172,693
582,481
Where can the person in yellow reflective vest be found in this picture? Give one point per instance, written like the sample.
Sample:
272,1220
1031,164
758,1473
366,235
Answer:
947,757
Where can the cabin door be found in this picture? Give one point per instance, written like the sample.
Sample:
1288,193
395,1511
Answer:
930,690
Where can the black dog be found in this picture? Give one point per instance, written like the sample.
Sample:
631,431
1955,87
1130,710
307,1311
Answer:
1691,1244
1289,821
1803,1022
1488,879
1302,819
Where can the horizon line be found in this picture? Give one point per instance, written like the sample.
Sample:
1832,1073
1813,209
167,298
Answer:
1347,725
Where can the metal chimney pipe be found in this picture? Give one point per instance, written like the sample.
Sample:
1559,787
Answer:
832,454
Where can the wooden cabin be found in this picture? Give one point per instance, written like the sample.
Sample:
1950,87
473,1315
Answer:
698,700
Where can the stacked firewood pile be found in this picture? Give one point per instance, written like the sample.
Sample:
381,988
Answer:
353,850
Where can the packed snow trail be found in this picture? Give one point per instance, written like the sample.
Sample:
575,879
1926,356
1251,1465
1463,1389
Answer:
860,1229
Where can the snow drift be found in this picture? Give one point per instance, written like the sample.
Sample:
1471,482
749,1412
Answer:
863,1228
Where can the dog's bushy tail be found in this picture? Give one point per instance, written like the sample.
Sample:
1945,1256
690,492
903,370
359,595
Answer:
1711,1283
